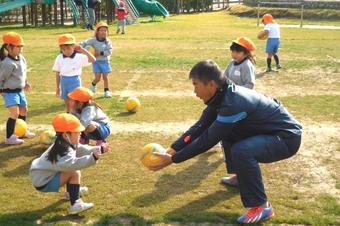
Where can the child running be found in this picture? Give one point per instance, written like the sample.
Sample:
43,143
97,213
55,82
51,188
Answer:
103,51
61,163
91,116
241,70
272,30
13,83
68,66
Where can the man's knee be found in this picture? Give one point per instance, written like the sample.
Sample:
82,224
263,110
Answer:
241,151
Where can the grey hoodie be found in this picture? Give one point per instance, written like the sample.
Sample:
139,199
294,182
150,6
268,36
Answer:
13,73
104,47
42,170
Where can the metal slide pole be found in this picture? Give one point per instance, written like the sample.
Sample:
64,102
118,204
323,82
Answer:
258,13
301,22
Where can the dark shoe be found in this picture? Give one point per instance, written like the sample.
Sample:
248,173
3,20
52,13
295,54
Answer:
231,181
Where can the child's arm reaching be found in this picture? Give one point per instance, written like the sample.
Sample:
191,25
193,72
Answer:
90,57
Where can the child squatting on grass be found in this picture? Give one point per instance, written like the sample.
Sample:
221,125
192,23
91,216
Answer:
272,30
61,163
91,116
103,51
13,83
68,66
241,70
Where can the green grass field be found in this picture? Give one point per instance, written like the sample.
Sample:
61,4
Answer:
152,61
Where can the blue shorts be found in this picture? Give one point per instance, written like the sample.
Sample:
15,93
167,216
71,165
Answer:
18,98
273,45
68,84
101,67
104,130
53,185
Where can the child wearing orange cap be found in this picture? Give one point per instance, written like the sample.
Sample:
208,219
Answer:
121,14
103,51
68,66
272,30
13,83
241,69
91,116
61,163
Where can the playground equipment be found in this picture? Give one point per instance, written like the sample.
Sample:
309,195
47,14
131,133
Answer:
134,7
6,6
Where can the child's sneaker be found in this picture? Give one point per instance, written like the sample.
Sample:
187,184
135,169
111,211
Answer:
13,140
100,142
93,88
231,181
269,69
82,191
107,94
79,206
256,214
29,134
278,66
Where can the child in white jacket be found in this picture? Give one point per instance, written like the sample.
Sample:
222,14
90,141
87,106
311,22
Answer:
61,163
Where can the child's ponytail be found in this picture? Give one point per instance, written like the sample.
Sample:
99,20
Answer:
3,52
59,148
251,57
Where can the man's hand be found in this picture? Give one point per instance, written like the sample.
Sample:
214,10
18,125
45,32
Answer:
165,160
171,151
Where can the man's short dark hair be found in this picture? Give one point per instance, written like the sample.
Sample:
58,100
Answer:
208,70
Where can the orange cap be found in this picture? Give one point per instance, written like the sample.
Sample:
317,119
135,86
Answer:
81,94
13,38
246,43
66,122
66,39
101,24
267,18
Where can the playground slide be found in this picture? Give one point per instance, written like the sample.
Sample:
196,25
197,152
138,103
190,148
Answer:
151,7
13,4
6,6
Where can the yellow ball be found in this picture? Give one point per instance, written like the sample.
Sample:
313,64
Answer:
148,154
91,49
264,37
132,104
47,137
20,128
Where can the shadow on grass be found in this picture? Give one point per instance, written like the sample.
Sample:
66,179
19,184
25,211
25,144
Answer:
124,114
17,151
184,181
121,219
56,108
264,73
31,217
196,211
